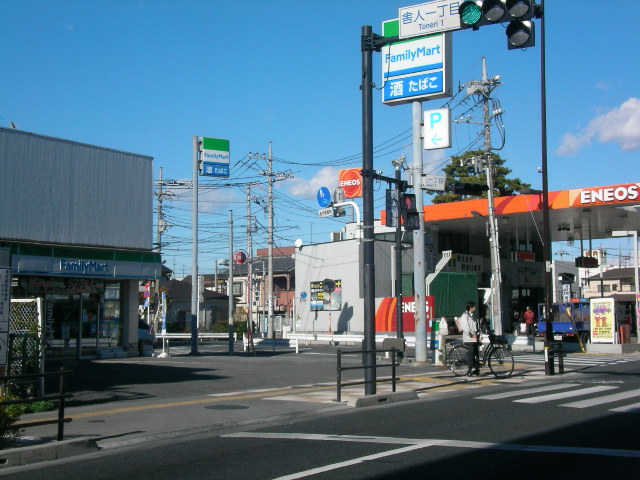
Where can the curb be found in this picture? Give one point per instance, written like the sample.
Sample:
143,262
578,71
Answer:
14,457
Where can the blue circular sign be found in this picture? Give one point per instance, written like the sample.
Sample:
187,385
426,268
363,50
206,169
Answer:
324,197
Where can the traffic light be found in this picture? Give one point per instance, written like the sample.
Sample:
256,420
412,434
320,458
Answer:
409,213
520,31
475,189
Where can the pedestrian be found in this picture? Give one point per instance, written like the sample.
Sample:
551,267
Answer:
471,338
529,320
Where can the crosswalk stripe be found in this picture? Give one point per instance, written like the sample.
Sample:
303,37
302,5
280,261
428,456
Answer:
559,396
634,407
527,391
605,399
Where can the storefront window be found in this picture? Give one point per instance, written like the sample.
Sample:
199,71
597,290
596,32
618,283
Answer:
79,314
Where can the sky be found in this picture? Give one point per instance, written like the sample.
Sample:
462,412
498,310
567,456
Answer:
146,76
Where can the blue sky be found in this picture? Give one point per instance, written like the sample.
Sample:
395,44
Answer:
146,76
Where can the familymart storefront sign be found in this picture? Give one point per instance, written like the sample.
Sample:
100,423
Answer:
107,264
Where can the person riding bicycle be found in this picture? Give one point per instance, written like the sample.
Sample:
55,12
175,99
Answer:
470,337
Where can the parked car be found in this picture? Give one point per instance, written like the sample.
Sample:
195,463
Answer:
146,337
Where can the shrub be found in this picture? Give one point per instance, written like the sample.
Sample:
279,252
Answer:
9,415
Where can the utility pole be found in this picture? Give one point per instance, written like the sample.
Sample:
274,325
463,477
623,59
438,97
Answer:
250,231
270,332
484,89
270,179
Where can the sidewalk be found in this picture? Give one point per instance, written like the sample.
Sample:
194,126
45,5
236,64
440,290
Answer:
120,402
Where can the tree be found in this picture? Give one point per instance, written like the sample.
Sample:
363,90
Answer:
462,169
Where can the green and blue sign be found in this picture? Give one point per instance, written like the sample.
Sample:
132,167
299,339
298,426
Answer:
215,157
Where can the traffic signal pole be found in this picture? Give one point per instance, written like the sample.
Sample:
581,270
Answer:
368,268
369,43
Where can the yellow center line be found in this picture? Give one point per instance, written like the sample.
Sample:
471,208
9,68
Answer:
200,401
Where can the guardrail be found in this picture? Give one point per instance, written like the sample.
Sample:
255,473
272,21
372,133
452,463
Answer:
166,337
340,369
61,396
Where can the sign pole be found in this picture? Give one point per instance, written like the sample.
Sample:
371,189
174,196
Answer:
194,251
419,284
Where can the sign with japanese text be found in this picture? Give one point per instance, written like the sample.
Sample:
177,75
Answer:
427,18
602,320
321,300
215,158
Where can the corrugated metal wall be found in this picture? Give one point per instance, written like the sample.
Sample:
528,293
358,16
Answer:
62,192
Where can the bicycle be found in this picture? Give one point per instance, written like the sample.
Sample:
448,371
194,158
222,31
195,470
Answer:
497,355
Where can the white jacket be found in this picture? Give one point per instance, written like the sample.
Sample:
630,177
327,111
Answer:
469,327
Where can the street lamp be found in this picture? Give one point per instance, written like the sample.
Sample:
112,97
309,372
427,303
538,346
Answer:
634,234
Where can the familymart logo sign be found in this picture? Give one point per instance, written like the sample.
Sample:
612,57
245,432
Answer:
215,157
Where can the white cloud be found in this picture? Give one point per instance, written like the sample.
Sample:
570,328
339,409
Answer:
620,125
326,177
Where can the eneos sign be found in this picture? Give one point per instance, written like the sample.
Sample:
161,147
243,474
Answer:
603,195
351,182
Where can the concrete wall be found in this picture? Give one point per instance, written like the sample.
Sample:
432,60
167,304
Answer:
341,261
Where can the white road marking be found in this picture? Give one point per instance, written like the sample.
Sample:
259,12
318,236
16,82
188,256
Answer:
635,407
605,399
559,396
416,443
528,391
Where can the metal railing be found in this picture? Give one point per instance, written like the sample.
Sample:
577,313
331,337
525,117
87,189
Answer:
60,397
393,379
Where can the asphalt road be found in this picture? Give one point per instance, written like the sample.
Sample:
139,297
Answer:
582,424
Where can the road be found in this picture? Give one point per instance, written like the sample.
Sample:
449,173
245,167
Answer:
579,424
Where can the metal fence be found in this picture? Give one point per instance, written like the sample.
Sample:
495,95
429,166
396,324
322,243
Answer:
25,348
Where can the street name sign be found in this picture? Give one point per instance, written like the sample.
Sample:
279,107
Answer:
437,129
326,212
433,182
427,18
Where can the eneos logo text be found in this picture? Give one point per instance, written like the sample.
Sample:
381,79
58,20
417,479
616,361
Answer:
351,182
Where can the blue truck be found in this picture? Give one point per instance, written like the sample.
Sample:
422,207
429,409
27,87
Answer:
569,321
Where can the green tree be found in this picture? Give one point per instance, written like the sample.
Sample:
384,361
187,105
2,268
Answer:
461,169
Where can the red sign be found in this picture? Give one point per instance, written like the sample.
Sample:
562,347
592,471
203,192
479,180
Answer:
240,256
351,182
386,314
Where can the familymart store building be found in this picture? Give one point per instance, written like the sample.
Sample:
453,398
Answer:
87,298
76,229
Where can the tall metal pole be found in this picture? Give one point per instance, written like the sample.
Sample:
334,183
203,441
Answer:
194,250
546,247
368,267
398,282
230,283
270,332
419,285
